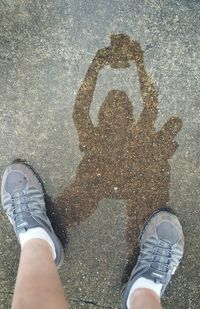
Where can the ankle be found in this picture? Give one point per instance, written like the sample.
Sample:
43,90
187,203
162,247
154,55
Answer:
38,244
37,233
144,293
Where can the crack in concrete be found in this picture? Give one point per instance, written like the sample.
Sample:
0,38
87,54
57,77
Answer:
6,293
91,302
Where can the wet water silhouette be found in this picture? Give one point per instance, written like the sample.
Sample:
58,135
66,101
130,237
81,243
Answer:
123,158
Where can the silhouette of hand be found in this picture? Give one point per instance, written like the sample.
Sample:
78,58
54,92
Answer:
124,50
121,51
102,57
135,51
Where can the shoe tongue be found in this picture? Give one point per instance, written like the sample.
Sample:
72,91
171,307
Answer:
167,232
31,222
27,223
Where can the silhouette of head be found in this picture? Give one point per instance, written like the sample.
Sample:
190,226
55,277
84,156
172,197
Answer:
116,111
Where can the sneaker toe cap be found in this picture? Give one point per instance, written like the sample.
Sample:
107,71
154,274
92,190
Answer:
18,176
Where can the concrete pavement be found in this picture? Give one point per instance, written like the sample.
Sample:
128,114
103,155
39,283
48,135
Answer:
45,51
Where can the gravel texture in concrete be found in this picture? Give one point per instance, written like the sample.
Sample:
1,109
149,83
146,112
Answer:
102,99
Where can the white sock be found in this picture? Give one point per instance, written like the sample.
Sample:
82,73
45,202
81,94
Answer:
37,232
143,283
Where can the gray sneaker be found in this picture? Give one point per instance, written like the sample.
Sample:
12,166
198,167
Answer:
22,198
161,249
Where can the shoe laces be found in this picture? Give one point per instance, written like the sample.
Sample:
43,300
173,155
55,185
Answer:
158,254
19,205
22,206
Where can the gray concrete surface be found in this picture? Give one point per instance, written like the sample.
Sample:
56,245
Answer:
45,50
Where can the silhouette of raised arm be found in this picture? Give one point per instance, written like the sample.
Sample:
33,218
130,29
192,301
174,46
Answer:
81,114
163,140
149,94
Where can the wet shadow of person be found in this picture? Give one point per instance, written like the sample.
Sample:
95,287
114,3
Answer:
123,158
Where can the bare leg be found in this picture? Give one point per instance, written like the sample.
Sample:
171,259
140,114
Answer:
38,284
145,298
